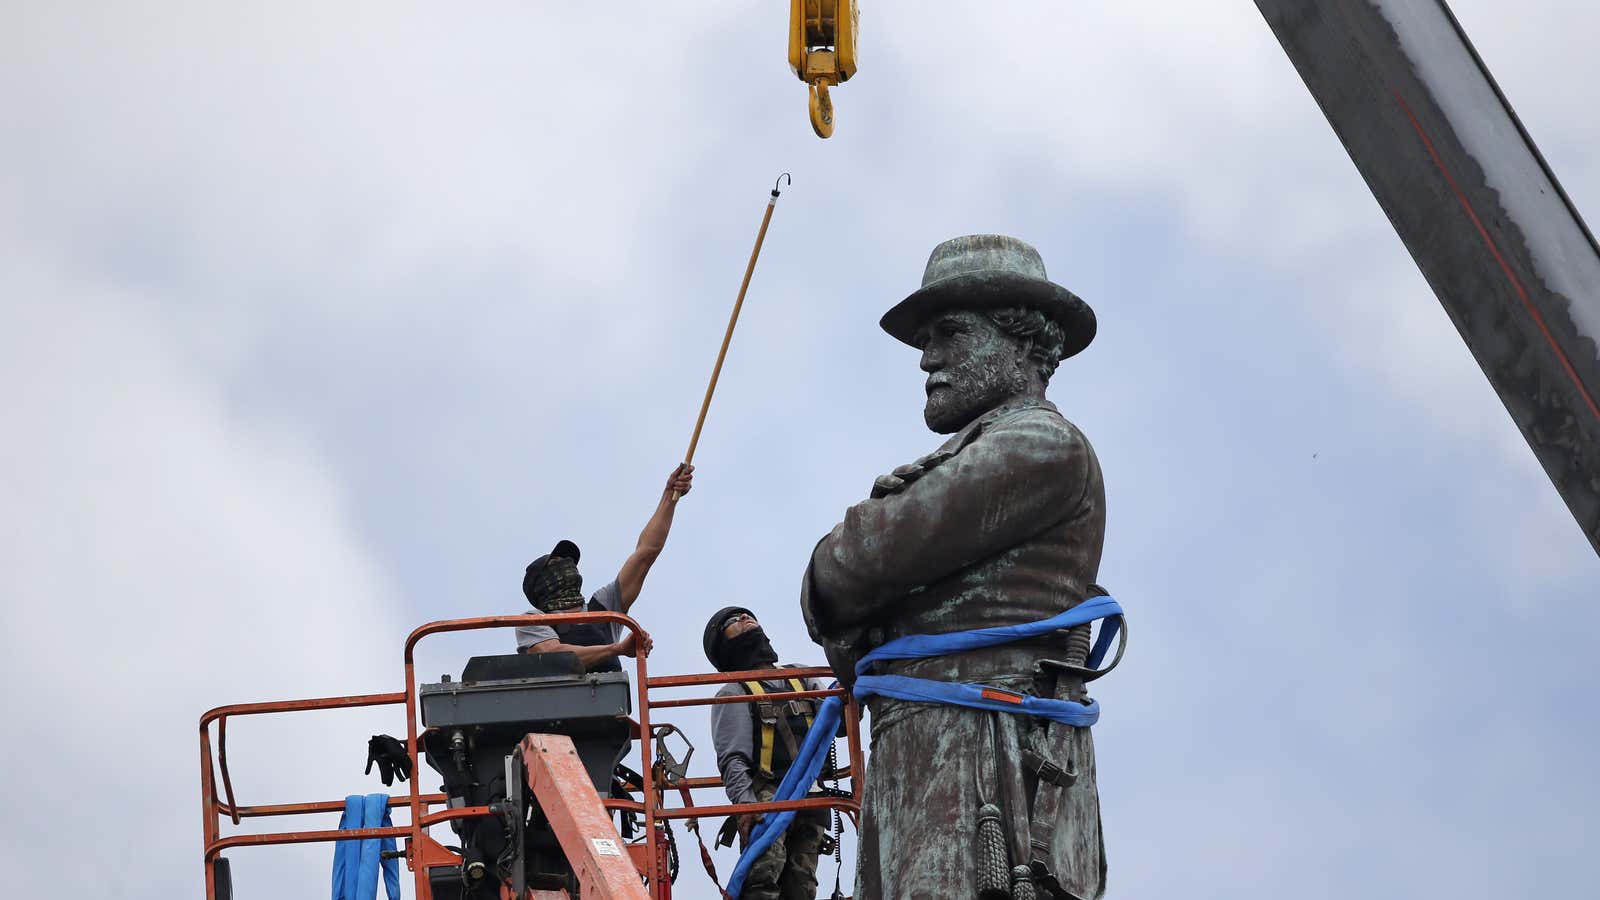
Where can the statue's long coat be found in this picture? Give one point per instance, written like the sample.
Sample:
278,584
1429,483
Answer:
1001,525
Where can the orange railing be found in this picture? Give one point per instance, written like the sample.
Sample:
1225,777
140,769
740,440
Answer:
421,851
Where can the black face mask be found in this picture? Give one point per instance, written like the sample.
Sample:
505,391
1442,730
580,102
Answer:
558,587
750,650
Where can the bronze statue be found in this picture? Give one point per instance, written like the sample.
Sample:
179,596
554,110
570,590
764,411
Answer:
1002,525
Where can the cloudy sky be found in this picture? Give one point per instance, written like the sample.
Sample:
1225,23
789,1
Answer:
318,321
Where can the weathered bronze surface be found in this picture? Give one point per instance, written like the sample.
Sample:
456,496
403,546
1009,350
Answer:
1002,524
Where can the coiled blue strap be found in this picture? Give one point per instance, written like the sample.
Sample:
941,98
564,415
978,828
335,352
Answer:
356,863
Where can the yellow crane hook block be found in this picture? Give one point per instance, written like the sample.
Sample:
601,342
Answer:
822,51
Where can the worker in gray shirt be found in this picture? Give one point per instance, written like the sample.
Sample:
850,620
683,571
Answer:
755,744
552,584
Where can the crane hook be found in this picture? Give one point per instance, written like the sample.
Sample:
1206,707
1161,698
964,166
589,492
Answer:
821,109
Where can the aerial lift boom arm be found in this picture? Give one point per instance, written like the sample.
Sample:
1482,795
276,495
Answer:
594,850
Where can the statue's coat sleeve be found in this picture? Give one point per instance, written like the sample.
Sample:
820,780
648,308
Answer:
1022,474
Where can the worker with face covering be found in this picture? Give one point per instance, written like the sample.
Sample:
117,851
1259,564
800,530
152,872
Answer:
755,743
553,584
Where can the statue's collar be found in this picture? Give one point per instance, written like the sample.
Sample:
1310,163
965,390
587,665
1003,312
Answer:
977,426
900,478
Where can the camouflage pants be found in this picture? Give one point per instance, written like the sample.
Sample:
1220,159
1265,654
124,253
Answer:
788,870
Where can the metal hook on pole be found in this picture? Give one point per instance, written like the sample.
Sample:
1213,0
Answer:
733,319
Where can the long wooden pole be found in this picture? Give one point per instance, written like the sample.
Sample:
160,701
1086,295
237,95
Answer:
727,336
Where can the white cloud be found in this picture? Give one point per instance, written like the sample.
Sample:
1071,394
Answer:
163,554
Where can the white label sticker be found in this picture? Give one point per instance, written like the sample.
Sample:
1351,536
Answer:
605,847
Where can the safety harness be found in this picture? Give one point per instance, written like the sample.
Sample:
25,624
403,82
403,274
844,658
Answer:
774,719
802,773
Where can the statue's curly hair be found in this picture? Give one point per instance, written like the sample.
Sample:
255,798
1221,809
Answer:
1043,336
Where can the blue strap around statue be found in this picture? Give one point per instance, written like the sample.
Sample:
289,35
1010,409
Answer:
978,696
796,783
356,862
813,751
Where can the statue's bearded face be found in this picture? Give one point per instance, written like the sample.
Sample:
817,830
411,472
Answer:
972,365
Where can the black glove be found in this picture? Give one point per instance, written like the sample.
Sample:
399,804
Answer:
391,757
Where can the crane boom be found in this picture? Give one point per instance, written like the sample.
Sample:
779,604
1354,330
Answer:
1482,214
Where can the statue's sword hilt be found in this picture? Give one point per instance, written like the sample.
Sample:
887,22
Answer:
1063,680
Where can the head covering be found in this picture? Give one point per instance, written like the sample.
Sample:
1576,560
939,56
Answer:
714,625
988,271
727,654
537,585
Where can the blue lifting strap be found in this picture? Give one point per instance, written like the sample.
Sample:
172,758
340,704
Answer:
796,782
356,862
807,765
921,646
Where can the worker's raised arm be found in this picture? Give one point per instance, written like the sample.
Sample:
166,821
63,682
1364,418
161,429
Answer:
654,536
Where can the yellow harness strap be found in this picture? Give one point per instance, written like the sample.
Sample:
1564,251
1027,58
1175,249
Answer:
795,683
769,728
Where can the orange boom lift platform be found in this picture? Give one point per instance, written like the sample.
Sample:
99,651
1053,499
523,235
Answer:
548,735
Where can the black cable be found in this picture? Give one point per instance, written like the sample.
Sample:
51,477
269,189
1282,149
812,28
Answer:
672,852
831,766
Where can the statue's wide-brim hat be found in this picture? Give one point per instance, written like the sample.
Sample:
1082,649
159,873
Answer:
987,271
